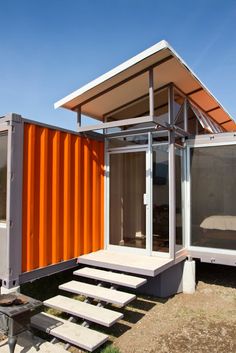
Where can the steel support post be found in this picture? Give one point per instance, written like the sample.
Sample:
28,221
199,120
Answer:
78,110
185,114
151,93
172,181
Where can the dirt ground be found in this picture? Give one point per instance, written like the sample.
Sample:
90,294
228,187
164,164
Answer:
204,322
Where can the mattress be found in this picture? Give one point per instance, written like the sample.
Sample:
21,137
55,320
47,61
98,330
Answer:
219,222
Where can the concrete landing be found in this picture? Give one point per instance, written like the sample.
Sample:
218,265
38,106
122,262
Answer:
125,262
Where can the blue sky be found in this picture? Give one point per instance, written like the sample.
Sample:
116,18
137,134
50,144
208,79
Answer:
48,48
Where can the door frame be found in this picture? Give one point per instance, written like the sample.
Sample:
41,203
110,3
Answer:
119,248
148,148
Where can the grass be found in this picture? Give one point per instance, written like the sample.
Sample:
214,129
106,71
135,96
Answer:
110,349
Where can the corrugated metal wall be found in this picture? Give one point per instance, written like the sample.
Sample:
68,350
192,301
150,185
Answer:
63,196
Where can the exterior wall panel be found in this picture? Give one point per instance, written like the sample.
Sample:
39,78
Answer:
63,201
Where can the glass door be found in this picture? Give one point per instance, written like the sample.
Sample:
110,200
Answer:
127,199
160,185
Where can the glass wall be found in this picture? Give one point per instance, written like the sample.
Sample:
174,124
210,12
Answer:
3,175
127,209
160,198
213,195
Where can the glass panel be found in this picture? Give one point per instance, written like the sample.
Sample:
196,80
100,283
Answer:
178,109
161,105
180,118
213,195
194,127
127,210
3,176
178,176
160,198
128,141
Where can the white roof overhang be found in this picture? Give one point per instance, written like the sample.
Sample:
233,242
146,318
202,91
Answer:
129,81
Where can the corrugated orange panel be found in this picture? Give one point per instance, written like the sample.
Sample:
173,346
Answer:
43,206
63,201
56,230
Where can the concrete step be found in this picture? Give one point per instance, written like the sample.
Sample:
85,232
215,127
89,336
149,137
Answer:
111,277
26,343
72,333
99,293
86,311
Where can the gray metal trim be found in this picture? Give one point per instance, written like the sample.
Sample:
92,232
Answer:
210,139
14,200
52,127
118,123
47,271
212,257
89,134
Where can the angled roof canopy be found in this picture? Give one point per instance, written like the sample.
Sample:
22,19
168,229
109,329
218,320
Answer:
129,81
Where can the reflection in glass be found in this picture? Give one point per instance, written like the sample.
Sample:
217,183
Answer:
160,198
213,195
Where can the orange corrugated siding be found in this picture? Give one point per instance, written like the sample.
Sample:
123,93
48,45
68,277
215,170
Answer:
63,201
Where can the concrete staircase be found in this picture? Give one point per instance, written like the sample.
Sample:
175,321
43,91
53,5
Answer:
92,310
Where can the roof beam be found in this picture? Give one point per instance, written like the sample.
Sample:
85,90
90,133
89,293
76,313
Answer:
225,122
195,91
212,110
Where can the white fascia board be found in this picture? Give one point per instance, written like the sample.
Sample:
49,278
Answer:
108,75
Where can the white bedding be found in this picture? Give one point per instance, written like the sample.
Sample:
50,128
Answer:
219,222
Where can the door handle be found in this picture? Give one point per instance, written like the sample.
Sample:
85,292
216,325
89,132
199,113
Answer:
145,199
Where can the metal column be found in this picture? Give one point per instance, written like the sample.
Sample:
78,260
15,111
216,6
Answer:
78,110
151,93
172,181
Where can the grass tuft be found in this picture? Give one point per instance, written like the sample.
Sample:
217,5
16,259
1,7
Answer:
111,349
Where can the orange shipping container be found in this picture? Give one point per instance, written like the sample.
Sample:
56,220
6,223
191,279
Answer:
62,197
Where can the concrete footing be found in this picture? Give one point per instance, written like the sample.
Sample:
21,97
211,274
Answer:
189,277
